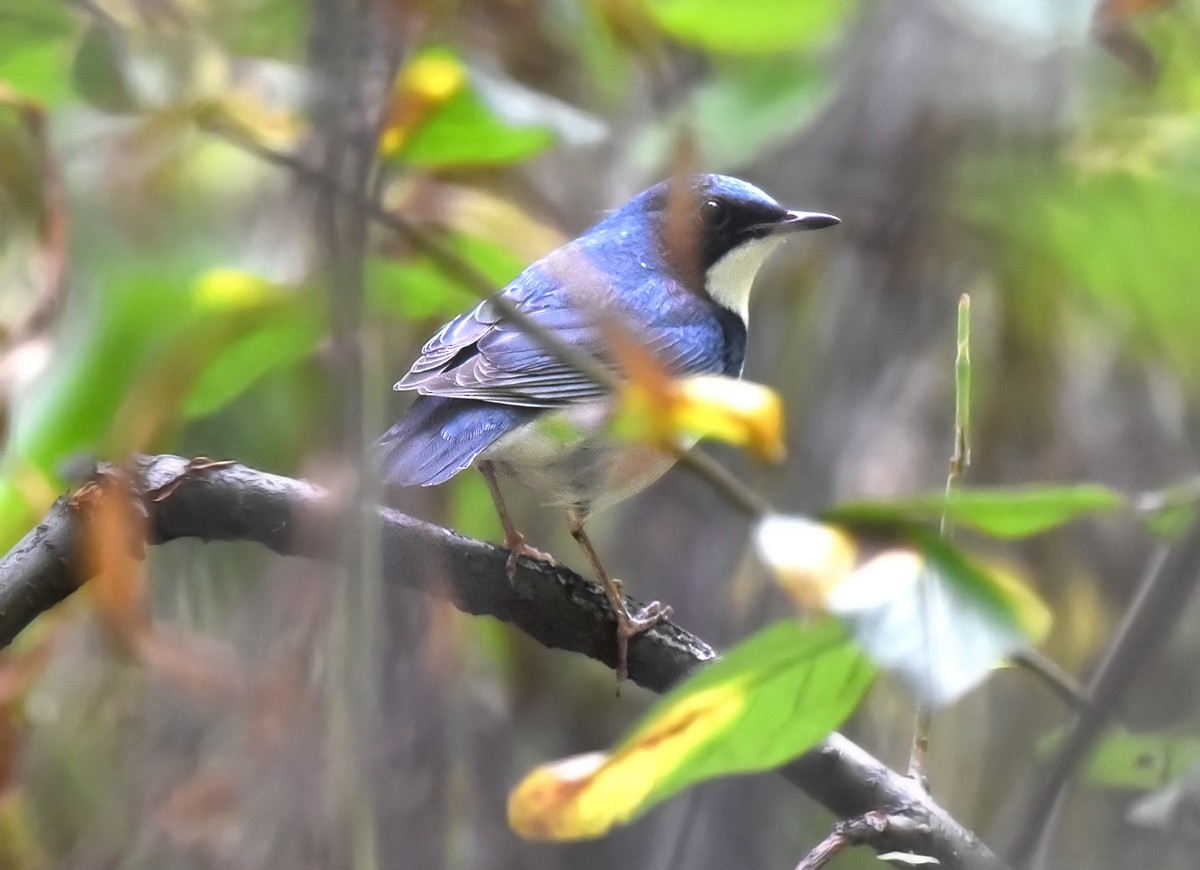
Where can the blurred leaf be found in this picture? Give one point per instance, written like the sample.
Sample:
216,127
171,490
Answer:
284,340
427,82
1124,759
1169,512
920,608
767,701
471,510
703,406
261,28
35,49
438,119
1127,241
1113,25
666,411
761,27
1172,808
1117,229
809,558
38,71
1127,760
476,219
742,111
98,72
522,106
121,371
417,289
1040,24
1002,512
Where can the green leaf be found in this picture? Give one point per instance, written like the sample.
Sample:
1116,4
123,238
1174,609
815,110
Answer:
935,619
743,111
99,72
1124,759
768,700
919,607
124,362
761,27
1114,230
1173,512
1003,512
418,289
35,49
283,341
465,132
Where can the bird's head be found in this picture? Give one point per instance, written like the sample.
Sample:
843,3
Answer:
717,231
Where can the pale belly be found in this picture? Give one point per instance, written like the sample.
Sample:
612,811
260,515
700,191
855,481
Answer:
567,459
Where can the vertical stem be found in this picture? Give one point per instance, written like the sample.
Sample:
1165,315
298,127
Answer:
960,459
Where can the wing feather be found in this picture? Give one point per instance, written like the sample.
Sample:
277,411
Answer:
484,356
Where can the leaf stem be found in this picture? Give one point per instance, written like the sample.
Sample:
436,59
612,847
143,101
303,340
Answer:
960,459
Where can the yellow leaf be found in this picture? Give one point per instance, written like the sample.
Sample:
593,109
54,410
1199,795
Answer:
669,412
428,81
232,290
678,412
740,412
586,795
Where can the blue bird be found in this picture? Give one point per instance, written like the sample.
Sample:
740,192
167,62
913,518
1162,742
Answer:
674,267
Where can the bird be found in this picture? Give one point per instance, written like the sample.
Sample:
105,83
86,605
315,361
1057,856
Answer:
673,267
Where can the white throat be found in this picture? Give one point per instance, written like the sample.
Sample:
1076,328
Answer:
729,279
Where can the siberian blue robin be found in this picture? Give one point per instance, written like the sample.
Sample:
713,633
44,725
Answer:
673,267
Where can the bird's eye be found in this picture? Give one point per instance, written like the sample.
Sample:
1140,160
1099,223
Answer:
715,213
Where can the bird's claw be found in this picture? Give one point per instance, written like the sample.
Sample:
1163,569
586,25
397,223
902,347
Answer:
630,625
518,548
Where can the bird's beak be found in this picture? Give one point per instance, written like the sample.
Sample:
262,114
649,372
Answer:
794,222
805,220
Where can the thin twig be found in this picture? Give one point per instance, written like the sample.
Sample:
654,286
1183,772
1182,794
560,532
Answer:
959,460
866,828
826,850
1064,686
1168,582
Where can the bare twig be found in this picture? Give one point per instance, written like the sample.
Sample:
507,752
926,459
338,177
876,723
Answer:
1169,580
846,833
555,606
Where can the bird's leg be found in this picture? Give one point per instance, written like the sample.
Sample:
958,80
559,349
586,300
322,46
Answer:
628,624
513,540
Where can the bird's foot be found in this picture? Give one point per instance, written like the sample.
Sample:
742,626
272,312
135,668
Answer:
630,625
516,549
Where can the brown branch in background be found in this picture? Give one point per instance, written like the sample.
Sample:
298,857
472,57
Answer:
1169,581
555,606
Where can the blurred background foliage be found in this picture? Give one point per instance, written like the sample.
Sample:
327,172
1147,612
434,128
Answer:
163,289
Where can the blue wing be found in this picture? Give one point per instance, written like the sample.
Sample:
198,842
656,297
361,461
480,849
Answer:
481,376
438,437
484,356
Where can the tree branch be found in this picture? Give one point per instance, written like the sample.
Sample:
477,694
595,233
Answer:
555,606
1163,592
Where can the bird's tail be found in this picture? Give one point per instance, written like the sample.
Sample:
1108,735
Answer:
438,437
